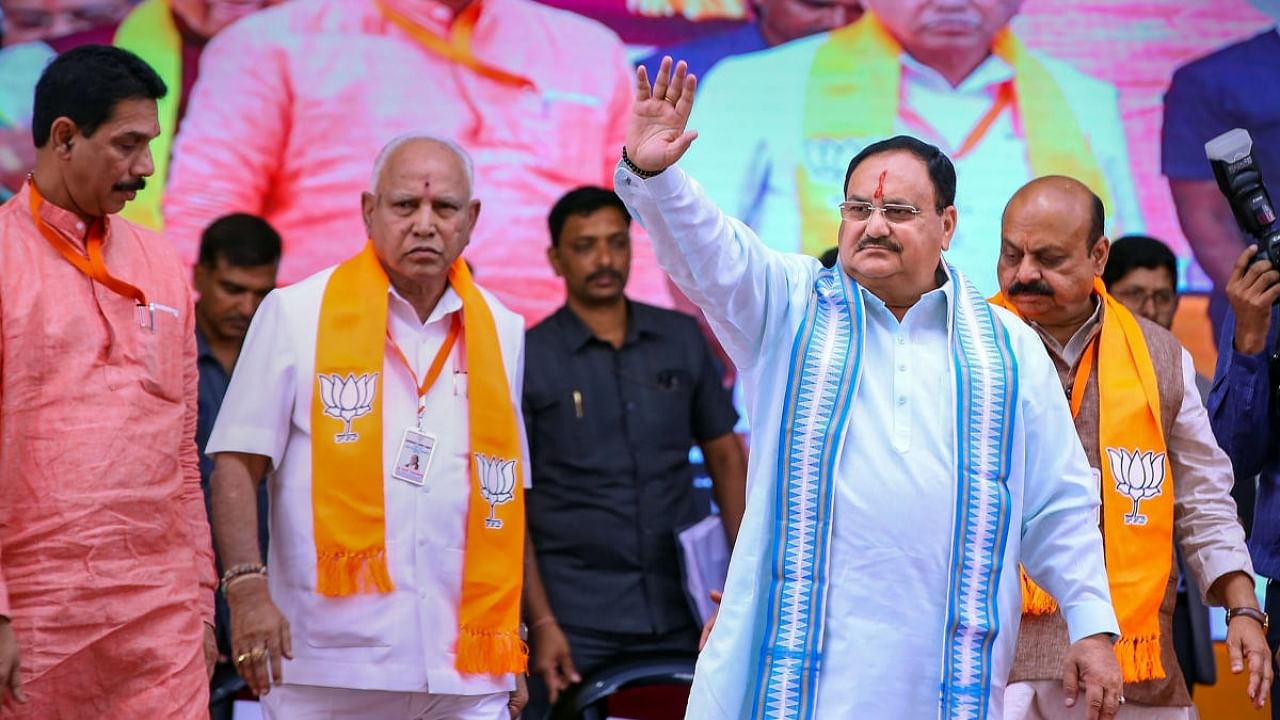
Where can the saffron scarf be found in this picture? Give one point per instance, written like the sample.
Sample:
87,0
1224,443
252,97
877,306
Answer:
150,32
852,98
1137,490
824,373
457,47
347,472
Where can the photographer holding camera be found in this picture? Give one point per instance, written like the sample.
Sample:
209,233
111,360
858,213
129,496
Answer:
1244,410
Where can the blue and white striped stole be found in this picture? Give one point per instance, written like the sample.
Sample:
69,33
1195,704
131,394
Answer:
822,383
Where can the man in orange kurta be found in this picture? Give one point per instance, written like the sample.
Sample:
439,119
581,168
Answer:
106,569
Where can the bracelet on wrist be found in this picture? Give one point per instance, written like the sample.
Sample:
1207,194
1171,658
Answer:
242,571
636,169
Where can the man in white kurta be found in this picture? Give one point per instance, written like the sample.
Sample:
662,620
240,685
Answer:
750,168
887,648
385,656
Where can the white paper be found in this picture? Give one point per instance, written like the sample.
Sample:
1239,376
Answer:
704,559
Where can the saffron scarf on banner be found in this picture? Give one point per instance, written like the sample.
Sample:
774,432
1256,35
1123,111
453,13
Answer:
852,98
347,473
820,399
1135,472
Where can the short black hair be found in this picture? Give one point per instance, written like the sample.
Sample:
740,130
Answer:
85,84
240,239
1139,251
941,172
582,201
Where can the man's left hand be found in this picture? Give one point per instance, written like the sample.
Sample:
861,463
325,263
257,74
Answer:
519,696
1091,665
210,650
1247,643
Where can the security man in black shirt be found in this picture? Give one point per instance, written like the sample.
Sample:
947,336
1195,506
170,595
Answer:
615,394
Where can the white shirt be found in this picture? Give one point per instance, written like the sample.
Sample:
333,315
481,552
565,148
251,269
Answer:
894,502
404,640
749,167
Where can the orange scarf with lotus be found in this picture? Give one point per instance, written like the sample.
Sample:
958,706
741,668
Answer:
347,471
1137,486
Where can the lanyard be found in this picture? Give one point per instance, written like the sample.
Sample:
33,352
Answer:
93,266
1004,99
1082,376
437,365
456,49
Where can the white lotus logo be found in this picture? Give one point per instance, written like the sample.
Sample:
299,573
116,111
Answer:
347,399
1139,476
497,484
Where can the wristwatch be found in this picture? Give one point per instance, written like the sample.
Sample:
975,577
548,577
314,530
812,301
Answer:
1249,612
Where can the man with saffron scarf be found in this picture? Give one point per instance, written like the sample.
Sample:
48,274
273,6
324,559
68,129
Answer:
1161,477
394,591
908,452
106,572
949,71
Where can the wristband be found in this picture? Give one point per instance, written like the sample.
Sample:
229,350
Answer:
240,571
635,169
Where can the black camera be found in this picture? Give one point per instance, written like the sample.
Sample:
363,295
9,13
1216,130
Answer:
1240,179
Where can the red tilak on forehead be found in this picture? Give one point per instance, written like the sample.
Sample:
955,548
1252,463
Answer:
880,187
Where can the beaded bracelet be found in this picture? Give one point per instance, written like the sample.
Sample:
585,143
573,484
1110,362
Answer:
240,571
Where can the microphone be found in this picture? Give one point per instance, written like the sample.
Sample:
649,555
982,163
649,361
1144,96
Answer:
1240,180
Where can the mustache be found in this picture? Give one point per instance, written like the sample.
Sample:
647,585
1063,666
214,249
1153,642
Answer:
1033,288
880,242
604,273
133,186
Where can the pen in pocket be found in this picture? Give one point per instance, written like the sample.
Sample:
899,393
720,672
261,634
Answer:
577,404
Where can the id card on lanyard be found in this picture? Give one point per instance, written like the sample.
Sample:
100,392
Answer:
417,446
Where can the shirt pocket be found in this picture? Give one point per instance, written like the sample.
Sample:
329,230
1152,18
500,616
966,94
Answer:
566,129
563,425
161,355
672,401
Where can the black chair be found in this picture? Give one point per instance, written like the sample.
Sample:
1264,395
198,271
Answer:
589,700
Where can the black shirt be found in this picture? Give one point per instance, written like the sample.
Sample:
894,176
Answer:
609,437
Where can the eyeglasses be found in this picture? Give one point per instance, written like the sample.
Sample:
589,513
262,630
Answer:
855,211
1137,297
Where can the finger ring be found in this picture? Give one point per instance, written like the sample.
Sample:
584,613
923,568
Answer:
258,652
241,658
673,102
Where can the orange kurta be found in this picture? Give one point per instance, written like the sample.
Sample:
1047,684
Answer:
106,568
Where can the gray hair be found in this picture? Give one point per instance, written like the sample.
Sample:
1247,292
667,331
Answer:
399,141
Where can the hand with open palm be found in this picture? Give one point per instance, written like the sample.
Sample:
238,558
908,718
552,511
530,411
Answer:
656,135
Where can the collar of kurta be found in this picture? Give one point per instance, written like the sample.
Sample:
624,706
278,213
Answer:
64,221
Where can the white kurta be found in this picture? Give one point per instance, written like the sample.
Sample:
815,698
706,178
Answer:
749,168
895,486
401,641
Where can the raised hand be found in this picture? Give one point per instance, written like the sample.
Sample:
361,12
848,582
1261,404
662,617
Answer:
656,135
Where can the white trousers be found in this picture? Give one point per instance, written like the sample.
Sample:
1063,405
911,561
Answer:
309,702
1043,700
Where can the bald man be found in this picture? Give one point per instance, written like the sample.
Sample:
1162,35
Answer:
395,588
1162,478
